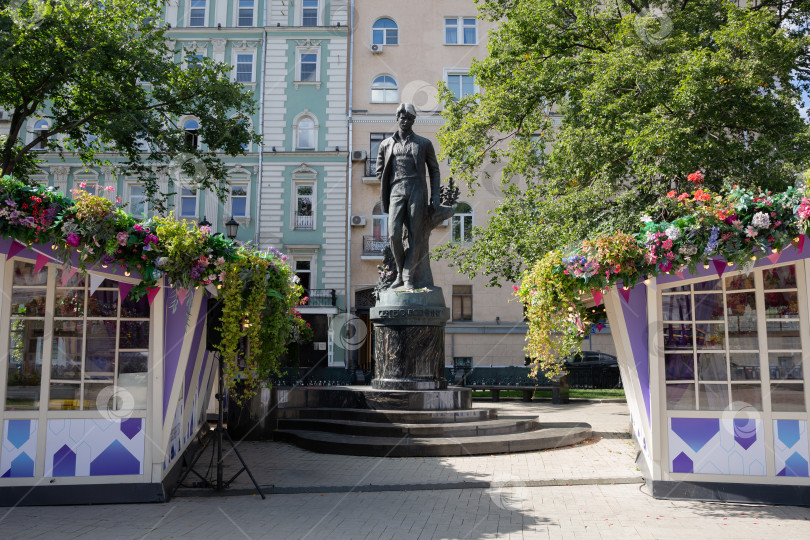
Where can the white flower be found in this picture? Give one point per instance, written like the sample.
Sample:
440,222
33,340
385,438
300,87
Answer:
761,220
673,233
650,236
646,218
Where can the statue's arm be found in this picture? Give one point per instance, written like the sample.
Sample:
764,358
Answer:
433,170
380,165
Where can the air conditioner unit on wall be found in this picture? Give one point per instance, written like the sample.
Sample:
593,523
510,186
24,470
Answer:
358,155
376,48
358,221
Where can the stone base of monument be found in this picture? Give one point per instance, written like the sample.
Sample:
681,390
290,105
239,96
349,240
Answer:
409,339
363,421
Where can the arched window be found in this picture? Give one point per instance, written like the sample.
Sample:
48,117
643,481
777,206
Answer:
306,134
385,32
462,223
192,128
40,127
384,90
379,223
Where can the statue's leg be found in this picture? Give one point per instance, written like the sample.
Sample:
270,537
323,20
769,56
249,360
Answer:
396,216
416,259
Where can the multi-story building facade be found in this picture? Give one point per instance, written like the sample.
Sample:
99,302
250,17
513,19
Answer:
401,52
302,200
290,192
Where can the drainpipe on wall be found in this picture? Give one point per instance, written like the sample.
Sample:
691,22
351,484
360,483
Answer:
347,361
261,132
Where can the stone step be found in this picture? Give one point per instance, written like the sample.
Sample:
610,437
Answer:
380,429
552,436
387,416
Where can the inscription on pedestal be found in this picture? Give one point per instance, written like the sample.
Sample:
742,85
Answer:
409,340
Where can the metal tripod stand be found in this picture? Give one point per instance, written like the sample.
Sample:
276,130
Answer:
219,431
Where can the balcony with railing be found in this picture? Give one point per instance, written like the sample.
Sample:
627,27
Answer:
304,223
373,246
370,172
321,297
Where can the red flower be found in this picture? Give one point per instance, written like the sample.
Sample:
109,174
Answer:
672,194
683,196
696,177
701,195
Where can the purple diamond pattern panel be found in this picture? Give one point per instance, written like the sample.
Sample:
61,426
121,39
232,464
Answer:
64,462
790,449
18,451
717,446
83,447
682,464
745,432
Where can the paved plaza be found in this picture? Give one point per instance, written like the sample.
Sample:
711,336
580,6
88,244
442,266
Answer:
592,490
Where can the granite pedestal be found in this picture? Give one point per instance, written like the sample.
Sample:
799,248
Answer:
409,339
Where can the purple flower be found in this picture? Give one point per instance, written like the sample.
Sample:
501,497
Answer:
72,240
11,203
151,239
196,271
107,259
122,238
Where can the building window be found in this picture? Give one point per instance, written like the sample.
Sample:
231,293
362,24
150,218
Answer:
304,206
197,13
303,269
460,84
194,61
246,12
239,199
384,90
244,68
462,222
379,223
192,128
309,13
40,127
306,134
308,67
384,32
714,352
460,31
375,139
137,200
188,202
462,302
97,341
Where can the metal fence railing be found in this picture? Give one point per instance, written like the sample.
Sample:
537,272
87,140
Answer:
374,245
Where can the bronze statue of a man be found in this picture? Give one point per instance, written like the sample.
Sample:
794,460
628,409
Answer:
401,164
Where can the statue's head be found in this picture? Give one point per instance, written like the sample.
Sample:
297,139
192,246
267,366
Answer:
406,115
406,109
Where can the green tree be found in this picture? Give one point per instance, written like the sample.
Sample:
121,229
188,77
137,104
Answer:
105,77
601,107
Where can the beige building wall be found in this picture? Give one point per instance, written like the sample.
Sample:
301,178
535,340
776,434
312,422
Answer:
418,61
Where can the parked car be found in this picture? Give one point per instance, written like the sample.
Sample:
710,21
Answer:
593,369
589,358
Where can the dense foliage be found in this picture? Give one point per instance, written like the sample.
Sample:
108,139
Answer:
106,77
599,106
257,288
734,227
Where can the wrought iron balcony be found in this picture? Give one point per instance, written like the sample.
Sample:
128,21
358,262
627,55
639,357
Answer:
304,223
374,245
320,297
371,167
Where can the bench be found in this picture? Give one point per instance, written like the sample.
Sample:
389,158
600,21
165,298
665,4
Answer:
559,393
